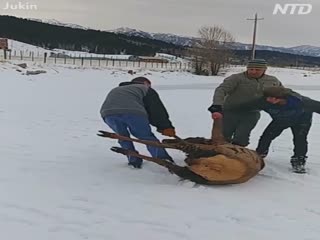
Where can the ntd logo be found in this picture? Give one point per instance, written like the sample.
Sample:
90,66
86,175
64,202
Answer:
292,8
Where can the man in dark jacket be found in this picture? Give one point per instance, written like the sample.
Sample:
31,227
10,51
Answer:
287,109
131,108
237,88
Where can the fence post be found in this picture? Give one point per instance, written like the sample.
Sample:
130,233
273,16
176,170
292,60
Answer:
55,59
74,60
99,62
91,60
21,55
65,60
32,56
82,61
45,57
5,53
112,62
10,55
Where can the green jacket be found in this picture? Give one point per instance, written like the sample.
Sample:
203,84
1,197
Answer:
238,88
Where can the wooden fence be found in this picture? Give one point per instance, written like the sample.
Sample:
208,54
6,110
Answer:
43,58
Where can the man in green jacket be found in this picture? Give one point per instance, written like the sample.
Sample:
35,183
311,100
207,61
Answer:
239,88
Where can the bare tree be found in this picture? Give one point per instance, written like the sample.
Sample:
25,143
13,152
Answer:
212,49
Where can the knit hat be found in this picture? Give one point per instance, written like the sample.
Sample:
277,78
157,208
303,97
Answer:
257,63
278,92
141,80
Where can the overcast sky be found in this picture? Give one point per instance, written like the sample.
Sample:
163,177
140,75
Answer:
183,17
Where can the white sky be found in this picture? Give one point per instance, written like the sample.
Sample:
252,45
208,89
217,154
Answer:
183,17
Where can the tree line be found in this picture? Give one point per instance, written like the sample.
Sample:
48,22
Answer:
93,41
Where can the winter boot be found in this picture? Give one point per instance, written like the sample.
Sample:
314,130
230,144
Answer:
135,162
262,154
298,164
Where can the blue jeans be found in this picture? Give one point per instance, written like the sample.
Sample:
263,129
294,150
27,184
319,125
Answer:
139,127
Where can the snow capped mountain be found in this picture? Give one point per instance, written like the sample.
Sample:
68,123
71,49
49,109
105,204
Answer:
133,32
165,37
187,41
305,50
175,39
245,46
58,23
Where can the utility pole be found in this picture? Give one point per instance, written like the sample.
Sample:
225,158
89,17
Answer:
255,19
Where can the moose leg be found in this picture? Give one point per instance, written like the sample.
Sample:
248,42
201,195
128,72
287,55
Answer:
216,134
182,172
178,143
127,152
146,142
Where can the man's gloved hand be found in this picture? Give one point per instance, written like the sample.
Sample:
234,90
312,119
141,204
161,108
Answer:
216,111
216,115
215,108
170,132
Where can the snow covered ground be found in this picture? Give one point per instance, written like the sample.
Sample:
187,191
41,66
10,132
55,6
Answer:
58,180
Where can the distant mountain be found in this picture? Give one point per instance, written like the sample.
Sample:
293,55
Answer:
51,34
305,50
186,41
58,23
165,37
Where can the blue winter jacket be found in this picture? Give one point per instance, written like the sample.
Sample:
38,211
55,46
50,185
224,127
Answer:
296,108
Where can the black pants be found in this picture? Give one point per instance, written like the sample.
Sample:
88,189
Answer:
300,129
237,126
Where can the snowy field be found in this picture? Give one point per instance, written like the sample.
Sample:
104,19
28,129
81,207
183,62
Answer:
35,55
59,181
17,48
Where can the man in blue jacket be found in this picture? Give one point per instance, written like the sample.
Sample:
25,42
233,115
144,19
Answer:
131,108
287,109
